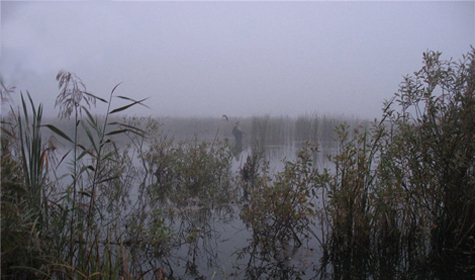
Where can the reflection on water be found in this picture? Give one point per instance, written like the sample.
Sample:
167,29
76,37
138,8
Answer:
277,155
183,230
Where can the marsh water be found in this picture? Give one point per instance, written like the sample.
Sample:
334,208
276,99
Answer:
218,243
182,210
189,238
224,246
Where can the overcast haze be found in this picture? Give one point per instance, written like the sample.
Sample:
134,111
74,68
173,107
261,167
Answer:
234,58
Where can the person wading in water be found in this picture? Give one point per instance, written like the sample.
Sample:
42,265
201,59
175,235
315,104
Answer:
237,132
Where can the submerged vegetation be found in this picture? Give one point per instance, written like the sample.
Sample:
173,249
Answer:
130,198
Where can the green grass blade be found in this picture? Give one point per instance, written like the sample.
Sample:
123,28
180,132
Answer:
95,96
120,109
58,132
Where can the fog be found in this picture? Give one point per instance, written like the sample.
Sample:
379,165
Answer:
233,58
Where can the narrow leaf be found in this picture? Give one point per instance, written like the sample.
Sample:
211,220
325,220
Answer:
59,132
128,106
86,193
133,100
94,96
62,159
108,179
119,131
89,115
127,126
122,108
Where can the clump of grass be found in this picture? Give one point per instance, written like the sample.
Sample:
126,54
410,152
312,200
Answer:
281,210
95,172
24,168
350,202
186,184
184,170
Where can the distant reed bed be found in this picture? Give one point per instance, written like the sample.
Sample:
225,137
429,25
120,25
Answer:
260,131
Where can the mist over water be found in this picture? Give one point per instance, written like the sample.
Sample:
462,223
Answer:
206,59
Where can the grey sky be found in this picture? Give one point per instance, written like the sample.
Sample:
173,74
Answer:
234,58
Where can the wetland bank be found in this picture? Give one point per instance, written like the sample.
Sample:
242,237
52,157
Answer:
314,197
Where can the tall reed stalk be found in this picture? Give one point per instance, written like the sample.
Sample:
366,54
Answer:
89,163
70,101
33,157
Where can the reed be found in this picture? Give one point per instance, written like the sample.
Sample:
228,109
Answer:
24,170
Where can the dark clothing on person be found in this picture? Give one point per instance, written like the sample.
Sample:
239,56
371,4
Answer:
237,132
